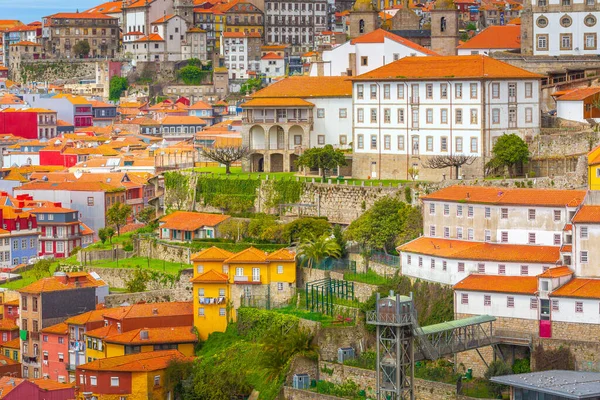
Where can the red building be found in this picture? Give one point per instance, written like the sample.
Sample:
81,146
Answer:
8,330
59,230
55,155
55,352
11,310
3,72
9,367
39,389
29,123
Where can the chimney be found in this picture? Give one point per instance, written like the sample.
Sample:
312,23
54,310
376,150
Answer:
61,277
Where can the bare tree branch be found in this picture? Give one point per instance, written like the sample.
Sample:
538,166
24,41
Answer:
226,155
451,160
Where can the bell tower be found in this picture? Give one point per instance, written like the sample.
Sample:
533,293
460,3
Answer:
364,18
444,28
185,10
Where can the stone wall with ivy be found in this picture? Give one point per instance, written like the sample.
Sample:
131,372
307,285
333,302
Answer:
162,251
51,71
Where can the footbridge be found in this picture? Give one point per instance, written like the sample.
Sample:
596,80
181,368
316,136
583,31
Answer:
401,341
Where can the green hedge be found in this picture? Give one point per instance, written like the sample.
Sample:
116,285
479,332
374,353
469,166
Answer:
254,323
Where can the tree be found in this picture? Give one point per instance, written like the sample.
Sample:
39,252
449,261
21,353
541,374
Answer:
452,160
110,232
338,236
280,346
250,86
509,151
497,368
305,228
146,215
226,155
413,172
314,250
81,48
117,215
176,373
116,87
192,75
177,190
324,158
137,283
106,234
41,268
382,225
234,229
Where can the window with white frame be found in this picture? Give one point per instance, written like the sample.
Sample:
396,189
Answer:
400,142
280,269
432,230
557,239
114,381
431,208
510,301
446,209
487,300
557,215
459,232
488,212
504,213
432,263
446,232
531,238
555,305
583,232
420,262
501,269
488,235
459,211
464,298
531,214
495,116
470,234
470,211
579,306
524,270
583,256
408,259
481,268
401,115
444,265
461,267
533,303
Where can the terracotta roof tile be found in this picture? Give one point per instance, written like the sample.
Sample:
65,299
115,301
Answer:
579,94
282,255
175,334
58,329
211,254
210,276
90,316
12,344
83,15
250,255
52,284
282,102
144,310
465,250
495,37
499,284
182,120
111,7
272,56
579,288
587,214
8,324
190,221
556,272
148,361
200,105
500,196
50,385
153,37
306,87
163,19
447,67
379,36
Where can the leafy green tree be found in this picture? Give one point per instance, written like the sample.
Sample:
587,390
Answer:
497,368
116,88
117,215
314,250
280,346
306,228
250,86
41,268
102,235
176,373
382,225
338,236
81,49
146,215
225,155
138,281
259,224
192,75
324,158
177,190
509,151
234,229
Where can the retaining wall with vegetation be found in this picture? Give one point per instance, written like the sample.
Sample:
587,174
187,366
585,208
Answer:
152,296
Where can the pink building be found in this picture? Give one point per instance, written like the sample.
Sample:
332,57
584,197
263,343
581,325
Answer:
39,389
11,310
55,352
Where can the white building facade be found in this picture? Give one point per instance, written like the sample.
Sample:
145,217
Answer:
418,107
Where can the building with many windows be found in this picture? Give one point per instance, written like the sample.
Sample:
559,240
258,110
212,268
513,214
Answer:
418,107
294,114
242,54
560,27
223,281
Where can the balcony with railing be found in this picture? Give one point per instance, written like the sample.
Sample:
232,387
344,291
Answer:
245,279
278,116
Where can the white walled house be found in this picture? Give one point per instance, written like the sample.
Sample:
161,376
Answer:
578,104
172,29
294,114
147,48
242,52
272,66
449,261
585,252
366,53
417,107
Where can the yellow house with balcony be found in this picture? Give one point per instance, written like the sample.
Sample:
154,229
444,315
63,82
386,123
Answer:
594,169
225,281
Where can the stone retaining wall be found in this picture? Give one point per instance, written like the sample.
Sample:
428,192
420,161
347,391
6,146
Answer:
118,277
88,257
152,248
153,296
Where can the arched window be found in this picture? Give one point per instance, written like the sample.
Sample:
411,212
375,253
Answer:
361,26
443,24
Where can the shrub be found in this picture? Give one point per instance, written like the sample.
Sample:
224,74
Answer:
521,366
497,368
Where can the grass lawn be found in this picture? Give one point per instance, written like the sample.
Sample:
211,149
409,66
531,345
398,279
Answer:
159,265
366,277
107,245
236,173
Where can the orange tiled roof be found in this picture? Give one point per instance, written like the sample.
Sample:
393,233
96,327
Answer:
307,86
58,329
153,37
200,105
13,303
83,15
466,250
568,227
282,102
8,324
556,272
250,255
182,120
515,21
501,196
579,94
163,19
579,288
12,344
241,34
211,254
210,276
111,7
499,284
587,214
190,221
26,43
144,310
49,384
379,36
447,67
175,334
495,37
52,284
148,361
90,316
281,255
272,56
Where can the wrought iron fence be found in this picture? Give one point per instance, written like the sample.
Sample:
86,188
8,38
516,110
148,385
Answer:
386,259
336,264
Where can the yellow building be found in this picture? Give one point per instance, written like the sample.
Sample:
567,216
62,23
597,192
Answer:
134,376
594,169
108,342
12,349
224,281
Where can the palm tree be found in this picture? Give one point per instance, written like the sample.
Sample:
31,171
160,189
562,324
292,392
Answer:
315,250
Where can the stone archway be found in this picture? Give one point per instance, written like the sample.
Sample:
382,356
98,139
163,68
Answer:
257,162
257,138
276,138
296,137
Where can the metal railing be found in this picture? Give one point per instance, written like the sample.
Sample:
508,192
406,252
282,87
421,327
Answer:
383,258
